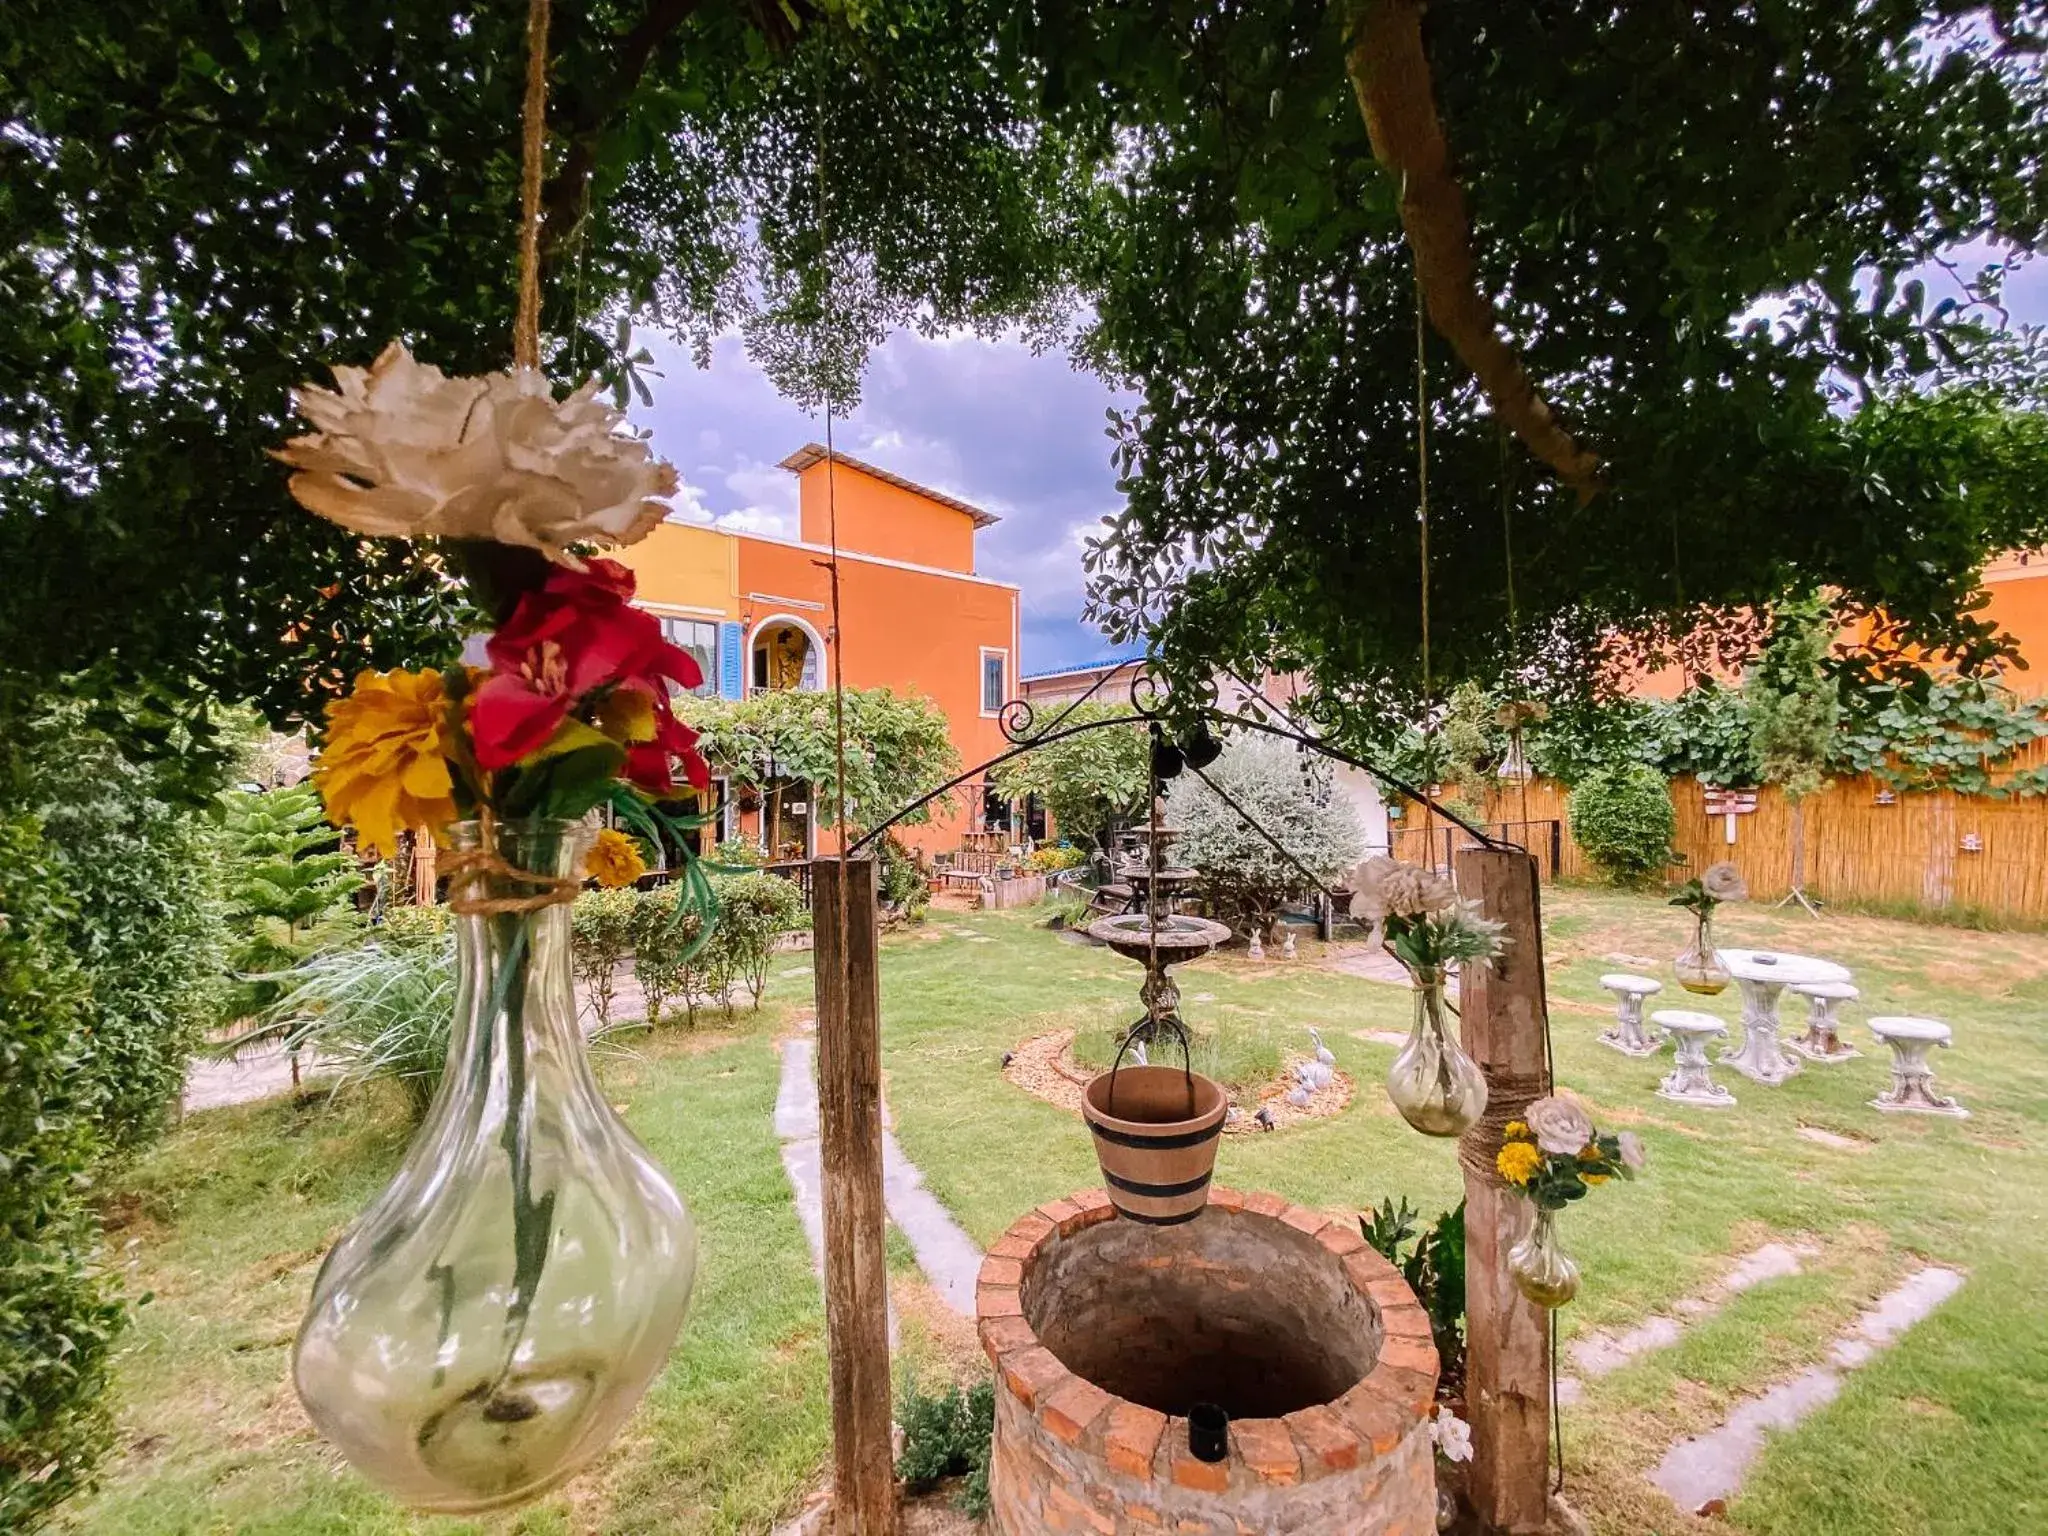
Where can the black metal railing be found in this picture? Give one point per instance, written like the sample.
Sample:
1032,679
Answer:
1436,846
797,872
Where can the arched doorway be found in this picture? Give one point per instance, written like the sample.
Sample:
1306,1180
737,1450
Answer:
785,652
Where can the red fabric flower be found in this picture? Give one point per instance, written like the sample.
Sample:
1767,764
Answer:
577,635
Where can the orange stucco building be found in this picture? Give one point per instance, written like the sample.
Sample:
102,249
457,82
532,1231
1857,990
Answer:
915,617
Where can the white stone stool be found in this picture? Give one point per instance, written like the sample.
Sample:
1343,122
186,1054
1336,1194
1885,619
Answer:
1822,1041
1912,1089
1627,1036
1688,1081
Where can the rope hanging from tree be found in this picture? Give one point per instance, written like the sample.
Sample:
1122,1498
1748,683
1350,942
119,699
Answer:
533,151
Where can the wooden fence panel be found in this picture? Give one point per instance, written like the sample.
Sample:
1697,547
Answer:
1933,850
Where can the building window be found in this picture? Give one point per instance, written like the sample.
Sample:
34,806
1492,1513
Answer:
700,639
995,681
784,656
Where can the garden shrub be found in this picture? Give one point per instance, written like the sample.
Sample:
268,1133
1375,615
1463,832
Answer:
1432,1260
1244,878
59,1313
906,888
949,1434
753,912
1049,861
1621,817
410,926
601,928
141,872
664,961
379,1009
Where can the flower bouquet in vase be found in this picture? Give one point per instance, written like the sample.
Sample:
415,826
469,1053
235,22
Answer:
1699,966
1423,923
1553,1156
487,1324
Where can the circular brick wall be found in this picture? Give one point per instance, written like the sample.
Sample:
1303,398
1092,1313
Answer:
1103,1332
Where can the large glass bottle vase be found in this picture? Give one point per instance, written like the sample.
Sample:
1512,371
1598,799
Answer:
490,1321
1438,1089
1699,967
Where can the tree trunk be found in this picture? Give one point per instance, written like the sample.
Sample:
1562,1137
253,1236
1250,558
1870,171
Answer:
1799,847
1390,75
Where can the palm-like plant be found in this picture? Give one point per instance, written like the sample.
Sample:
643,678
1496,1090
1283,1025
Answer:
375,1010
289,890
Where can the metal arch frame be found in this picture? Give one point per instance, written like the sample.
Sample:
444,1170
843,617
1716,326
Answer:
1018,718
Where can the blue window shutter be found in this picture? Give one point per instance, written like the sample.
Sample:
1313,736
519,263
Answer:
730,645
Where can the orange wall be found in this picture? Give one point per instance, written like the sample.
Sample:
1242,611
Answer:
2019,606
917,632
878,518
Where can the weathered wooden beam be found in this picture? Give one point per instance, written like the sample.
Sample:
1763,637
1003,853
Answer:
846,957
1507,1353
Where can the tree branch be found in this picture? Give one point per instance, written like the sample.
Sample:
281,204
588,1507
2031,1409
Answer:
1390,74
567,193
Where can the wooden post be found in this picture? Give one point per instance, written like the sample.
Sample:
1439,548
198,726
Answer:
1507,1359
850,1127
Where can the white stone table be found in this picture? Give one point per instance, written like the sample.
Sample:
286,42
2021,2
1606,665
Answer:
1762,974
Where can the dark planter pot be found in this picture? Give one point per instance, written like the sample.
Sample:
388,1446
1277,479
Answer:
1156,1131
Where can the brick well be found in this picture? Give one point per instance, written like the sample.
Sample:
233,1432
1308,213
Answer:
1104,1331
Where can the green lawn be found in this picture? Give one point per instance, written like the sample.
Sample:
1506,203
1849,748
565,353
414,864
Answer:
1942,1435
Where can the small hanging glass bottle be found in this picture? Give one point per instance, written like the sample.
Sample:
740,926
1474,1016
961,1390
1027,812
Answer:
1542,1270
489,1322
1698,967
1437,1088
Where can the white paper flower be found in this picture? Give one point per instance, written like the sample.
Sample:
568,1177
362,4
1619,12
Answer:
1559,1125
1453,1436
1382,888
1633,1155
1724,882
403,451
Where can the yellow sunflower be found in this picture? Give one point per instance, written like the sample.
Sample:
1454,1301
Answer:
615,860
384,768
1518,1162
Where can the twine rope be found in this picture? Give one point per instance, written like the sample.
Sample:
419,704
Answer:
1508,1097
470,870
534,126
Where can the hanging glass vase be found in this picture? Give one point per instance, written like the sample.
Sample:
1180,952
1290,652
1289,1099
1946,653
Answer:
489,1322
1437,1088
1543,1271
1699,967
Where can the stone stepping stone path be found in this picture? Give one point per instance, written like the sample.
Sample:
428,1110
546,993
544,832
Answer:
1709,1468
947,1255
1599,1353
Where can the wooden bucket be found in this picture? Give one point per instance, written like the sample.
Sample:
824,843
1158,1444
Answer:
1156,1131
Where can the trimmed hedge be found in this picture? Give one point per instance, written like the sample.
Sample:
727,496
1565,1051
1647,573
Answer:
59,1311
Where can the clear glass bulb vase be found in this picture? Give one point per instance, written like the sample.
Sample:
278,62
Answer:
1437,1088
1542,1270
1699,968
489,1322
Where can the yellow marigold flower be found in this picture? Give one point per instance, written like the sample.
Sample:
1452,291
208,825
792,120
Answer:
1591,1153
1596,1178
627,715
1518,1162
615,860
383,768
1516,1130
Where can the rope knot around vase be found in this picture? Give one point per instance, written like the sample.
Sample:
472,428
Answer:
1508,1097
470,870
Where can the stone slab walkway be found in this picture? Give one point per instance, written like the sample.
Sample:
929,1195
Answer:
1696,1472
948,1256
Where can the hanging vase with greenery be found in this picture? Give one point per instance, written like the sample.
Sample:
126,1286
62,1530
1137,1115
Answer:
1422,922
1553,1156
1699,967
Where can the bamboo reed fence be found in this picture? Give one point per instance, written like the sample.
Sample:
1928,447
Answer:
1932,851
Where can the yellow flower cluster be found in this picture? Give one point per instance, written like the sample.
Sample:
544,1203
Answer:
383,768
615,860
1519,1162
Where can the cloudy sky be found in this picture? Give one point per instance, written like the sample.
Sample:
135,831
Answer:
1019,435
986,421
